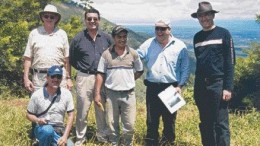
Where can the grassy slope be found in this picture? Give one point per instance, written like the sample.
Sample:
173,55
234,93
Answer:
245,131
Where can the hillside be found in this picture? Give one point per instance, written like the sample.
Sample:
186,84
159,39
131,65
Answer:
68,10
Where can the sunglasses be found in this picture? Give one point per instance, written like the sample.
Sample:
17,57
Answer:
160,28
56,76
92,18
49,16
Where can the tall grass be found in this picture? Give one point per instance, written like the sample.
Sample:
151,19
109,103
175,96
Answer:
245,126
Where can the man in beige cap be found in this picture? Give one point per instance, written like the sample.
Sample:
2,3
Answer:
167,62
215,54
47,46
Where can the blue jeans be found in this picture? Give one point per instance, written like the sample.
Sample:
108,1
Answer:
213,110
156,109
47,136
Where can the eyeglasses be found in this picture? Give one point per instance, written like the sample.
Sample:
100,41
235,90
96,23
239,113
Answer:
160,28
92,18
49,16
56,76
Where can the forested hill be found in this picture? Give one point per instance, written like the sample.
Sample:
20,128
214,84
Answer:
134,39
68,9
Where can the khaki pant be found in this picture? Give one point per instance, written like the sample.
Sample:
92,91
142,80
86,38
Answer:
121,104
85,95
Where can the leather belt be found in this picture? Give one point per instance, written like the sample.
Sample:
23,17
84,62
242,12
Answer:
130,90
33,70
88,71
148,83
212,80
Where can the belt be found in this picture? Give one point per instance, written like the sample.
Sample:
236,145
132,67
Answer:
33,70
126,90
210,80
130,90
148,83
88,71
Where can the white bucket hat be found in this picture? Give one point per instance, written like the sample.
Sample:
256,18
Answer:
50,9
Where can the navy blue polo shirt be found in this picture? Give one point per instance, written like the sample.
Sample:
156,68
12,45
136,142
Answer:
85,52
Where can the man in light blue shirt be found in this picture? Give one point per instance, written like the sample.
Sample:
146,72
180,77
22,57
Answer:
167,62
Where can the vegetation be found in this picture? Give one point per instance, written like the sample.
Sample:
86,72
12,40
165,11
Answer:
247,80
14,127
18,18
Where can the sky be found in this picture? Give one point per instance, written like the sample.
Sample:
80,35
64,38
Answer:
148,11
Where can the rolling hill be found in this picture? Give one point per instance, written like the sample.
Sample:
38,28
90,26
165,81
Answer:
69,9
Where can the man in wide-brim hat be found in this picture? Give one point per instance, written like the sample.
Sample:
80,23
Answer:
50,9
47,46
215,54
204,7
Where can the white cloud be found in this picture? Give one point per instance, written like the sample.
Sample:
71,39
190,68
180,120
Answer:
147,11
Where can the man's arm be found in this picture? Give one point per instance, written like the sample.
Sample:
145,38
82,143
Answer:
184,69
63,139
27,82
33,118
68,73
98,86
138,74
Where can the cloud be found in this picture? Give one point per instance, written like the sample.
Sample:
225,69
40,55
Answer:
144,11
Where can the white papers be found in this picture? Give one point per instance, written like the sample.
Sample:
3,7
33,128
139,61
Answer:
171,99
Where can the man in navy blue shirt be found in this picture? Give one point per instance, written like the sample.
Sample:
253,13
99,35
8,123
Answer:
85,51
214,51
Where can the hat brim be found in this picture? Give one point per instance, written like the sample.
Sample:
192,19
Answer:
58,14
195,15
119,31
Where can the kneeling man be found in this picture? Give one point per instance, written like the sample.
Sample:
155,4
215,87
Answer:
47,108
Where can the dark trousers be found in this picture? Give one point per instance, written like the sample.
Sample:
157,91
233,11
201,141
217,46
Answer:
214,126
155,109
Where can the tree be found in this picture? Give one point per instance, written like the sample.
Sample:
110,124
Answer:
17,19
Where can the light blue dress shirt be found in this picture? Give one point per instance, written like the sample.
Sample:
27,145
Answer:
165,65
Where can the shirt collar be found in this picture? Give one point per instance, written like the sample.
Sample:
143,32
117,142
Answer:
112,49
45,92
172,40
43,31
98,32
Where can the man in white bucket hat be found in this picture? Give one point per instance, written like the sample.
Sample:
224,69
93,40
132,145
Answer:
47,46
50,9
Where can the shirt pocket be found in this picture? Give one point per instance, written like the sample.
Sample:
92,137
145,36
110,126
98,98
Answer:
171,59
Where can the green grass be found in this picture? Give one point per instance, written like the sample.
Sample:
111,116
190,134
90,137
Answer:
244,126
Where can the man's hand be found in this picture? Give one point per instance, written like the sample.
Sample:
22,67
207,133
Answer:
226,95
42,121
178,89
98,101
62,141
69,84
28,85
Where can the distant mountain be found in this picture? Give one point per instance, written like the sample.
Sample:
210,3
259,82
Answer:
71,9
